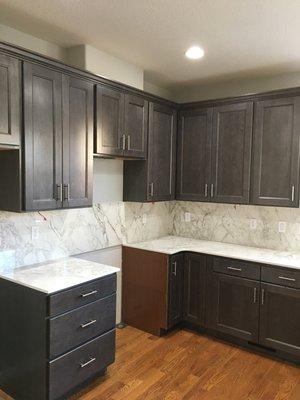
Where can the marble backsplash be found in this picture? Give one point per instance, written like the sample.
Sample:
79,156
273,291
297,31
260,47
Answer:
35,237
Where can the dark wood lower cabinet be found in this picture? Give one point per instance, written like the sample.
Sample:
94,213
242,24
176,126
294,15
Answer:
280,318
176,273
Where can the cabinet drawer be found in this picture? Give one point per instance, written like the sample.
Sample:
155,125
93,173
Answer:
281,276
77,366
78,326
81,295
241,268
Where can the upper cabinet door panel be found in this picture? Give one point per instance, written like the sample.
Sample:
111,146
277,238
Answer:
161,152
10,100
77,142
136,126
231,153
193,160
42,137
275,173
109,122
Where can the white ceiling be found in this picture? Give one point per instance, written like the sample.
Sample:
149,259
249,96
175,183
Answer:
240,37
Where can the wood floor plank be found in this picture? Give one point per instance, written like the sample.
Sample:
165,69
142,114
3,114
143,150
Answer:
185,365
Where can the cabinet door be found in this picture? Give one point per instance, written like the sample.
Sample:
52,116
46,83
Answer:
109,122
231,153
161,152
77,142
193,160
194,289
176,266
276,152
236,306
136,126
42,138
279,318
10,95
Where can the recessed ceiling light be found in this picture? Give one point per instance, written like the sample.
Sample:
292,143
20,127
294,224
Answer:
194,53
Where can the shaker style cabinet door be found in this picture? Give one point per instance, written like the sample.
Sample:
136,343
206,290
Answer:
231,153
42,138
275,169
77,97
136,126
176,267
109,135
161,152
10,100
193,157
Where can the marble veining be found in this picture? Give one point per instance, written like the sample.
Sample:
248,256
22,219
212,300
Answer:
175,244
55,276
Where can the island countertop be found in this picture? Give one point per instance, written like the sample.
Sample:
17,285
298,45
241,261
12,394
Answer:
175,244
54,276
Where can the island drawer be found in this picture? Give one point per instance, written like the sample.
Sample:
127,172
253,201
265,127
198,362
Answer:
244,269
78,326
81,295
74,368
281,276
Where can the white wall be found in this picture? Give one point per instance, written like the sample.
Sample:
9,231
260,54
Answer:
108,180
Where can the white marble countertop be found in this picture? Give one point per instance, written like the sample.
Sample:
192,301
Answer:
176,244
53,276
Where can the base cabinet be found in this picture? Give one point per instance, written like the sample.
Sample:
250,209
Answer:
176,273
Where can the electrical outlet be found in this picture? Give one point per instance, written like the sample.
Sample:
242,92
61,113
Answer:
281,227
144,219
35,233
187,217
253,224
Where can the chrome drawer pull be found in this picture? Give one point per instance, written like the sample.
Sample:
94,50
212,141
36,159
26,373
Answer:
92,322
285,278
254,295
90,293
87,363
235,269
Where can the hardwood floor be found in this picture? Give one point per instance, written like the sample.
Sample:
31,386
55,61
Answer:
188,366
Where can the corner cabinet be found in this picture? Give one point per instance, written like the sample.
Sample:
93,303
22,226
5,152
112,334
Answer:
154,179
58,134
275,167
121,124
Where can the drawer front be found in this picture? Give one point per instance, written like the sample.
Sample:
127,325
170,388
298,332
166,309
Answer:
281,276
76,367
70,330
81,295
244,269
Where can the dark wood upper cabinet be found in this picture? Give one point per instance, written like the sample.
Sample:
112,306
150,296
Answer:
42,138
279,318
109,132
275,170
77,97
121,124
194,154
176,270
10,100
194,289
231,153
154,178
235,306
136,126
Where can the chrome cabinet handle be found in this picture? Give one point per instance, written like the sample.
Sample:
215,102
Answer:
151,189
123,142
262,297
174,272
59,192
254,295
212,190
235,269
67,192
92,322
285,278
88,362
206,190
128,142
89,293
293,193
